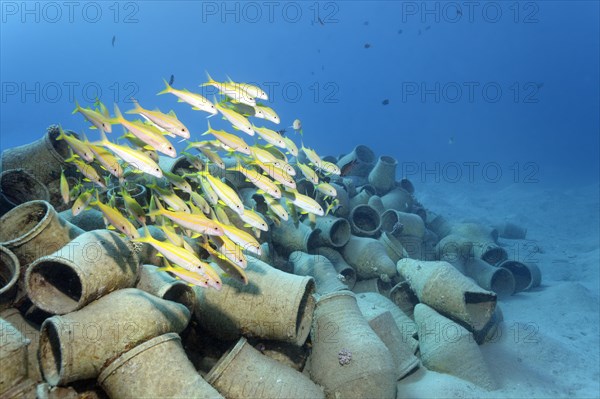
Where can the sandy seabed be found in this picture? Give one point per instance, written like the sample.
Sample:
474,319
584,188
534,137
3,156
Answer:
548,345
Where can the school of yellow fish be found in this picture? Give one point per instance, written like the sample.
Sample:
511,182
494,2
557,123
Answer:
196,205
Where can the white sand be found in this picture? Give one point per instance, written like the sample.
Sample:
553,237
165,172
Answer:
549,345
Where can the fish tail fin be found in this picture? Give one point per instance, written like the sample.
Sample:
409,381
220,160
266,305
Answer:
61,133
77,108
96,197
103,138
146,235
159,206
167,89
136,107
210,80
118,114
209,130
71,158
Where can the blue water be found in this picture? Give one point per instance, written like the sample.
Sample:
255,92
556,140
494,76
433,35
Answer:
504,91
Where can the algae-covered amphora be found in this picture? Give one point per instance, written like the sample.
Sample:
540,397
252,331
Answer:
32,230
318,267
368,257
157,368
92,265
43,158
273,305
9,277
346,273
383,175
18,186
447,347
78,345
365,221
13,356
348,359
30,332
244,372
439,285
164,286
359,162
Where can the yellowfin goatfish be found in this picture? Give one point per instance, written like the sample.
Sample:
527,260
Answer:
185,275
196,222
237,120
232,90
332,206
82,202
232,141
329,168
180,257
276,207
116,219
277,174
178,181
213,157
313,157
64,188
326,189
87,171
211,195
167,122
98,120
241,238
133,207
268,113
291,146
79,147
197,101
270,136
172,199
231,250
305,203
246,110
228,266
268,158
253,91
254,219
225,193
261,181
135,158
153,138
308,173
200,202
107,160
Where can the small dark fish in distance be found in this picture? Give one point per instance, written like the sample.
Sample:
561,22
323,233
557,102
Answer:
320,20
281,132
459,12
113,40
385,102
171,80
428,27
367,45
346,169
399,31
366,23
